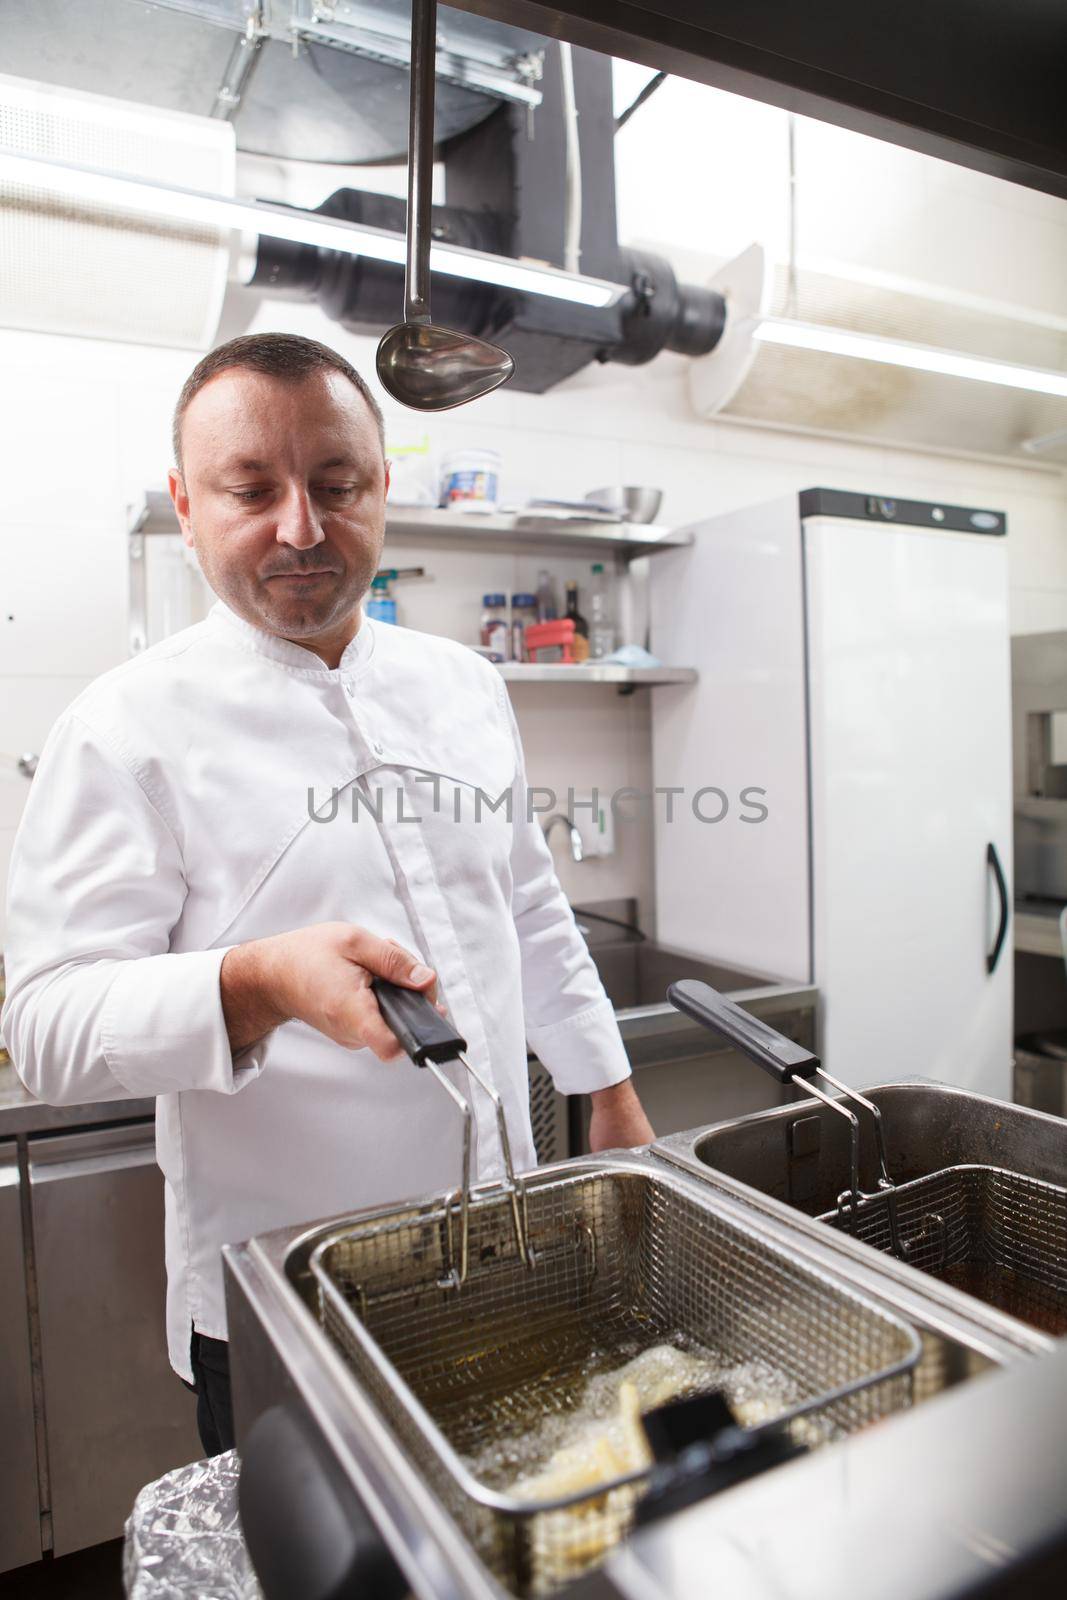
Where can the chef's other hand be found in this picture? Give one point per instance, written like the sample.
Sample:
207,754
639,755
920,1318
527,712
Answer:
618,1121
319,975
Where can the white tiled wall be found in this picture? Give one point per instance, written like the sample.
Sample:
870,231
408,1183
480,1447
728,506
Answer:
85,429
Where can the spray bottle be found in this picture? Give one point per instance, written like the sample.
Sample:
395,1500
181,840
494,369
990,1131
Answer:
381,605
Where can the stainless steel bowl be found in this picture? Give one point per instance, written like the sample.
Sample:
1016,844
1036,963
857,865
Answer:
633,504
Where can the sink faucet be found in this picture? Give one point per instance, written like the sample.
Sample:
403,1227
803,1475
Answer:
577,850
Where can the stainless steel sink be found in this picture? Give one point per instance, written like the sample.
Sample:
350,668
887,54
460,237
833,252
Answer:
697,1078
637,973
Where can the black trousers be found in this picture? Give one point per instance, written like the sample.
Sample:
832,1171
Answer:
211,1384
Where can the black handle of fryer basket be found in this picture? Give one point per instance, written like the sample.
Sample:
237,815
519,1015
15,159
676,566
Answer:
420,1028
783,1058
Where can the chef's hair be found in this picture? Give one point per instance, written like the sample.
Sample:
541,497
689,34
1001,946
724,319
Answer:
288,356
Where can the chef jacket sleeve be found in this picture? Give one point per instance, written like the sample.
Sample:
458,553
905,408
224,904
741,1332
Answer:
98,1007
570,1022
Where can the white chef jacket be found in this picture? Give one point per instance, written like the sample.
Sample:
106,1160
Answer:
201,795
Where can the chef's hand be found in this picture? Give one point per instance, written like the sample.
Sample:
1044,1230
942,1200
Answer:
618,1121
319,975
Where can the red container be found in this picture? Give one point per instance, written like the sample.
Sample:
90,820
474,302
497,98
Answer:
549,643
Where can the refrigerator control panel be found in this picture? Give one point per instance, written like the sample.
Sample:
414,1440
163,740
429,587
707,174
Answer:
908,513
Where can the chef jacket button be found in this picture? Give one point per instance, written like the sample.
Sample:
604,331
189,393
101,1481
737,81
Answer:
348,685
377,747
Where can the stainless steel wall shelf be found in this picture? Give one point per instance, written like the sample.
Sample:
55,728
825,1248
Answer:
1037,928
595,672
520,530
532,530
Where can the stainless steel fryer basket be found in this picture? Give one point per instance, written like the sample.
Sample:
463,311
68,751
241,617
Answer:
996,1233
624,1259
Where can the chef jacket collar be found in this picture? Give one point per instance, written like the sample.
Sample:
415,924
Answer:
295,657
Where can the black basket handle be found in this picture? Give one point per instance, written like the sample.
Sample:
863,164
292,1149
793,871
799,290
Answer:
422,1031
783,1058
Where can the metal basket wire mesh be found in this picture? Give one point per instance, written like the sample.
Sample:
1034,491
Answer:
624,1260
998,1234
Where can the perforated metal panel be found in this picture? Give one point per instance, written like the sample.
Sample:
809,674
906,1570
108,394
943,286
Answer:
72,266
548,1116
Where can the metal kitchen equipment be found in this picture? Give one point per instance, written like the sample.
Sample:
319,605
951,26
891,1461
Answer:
627,1255
430,1041
977,1486
320,1454
299,80
996,1234
790,1063
1039,721
426,367
981,1194
631,503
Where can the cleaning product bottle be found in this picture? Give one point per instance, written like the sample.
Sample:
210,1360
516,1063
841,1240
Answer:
601,626
381,605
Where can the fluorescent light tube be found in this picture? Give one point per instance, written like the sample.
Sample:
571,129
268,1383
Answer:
899,353
174,204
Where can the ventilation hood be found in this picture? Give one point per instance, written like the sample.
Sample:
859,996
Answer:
743,380
298,79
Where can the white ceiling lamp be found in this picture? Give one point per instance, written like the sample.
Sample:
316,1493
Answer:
174,204
900,353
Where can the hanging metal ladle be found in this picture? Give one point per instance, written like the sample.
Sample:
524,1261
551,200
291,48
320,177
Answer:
424,366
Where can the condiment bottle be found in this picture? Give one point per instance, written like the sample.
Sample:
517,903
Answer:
581,627
494,630
523,612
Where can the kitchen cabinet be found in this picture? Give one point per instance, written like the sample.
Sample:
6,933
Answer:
20,1525
116,1415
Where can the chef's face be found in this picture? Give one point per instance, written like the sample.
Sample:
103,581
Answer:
282,496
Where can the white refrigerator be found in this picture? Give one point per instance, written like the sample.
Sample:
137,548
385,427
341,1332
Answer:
854,665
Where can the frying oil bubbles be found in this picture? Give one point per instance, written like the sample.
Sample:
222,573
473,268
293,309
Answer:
592,1434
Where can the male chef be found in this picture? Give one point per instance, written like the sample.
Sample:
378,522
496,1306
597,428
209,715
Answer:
231,834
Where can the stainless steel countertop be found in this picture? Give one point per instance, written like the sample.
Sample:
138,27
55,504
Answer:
22,1112
1037,927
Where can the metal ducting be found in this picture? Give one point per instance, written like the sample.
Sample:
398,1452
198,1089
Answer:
298,80
549,339
867,400
506,190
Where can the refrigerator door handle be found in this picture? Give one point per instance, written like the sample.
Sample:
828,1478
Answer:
993,861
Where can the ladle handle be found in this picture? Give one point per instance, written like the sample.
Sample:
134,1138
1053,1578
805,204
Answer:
420,1028
783,1058
420,159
